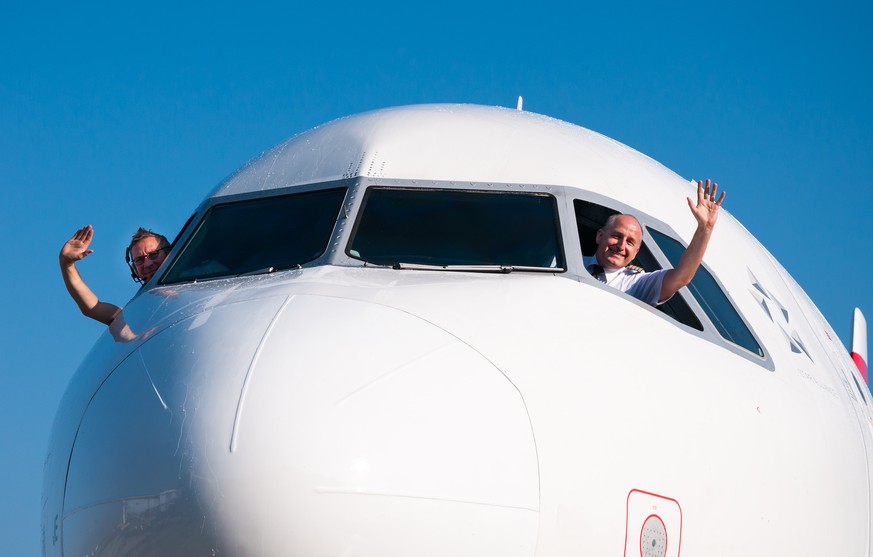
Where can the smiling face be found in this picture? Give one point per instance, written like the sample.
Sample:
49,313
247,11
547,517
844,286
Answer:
618,242
147,256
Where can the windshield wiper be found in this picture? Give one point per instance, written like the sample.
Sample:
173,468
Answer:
469,268
264,271
503,269
268,270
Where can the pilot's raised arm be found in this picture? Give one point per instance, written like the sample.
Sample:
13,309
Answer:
705,211
145,254
620,239
75,250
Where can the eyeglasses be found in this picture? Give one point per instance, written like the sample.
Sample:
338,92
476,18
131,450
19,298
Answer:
152,255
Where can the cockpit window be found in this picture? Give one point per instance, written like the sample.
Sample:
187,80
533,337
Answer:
711,298
458,228
259,235
589,218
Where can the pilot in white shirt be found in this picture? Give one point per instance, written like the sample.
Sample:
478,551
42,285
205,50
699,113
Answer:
631,279
619,241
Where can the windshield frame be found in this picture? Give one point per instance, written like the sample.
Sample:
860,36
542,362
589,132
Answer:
196,222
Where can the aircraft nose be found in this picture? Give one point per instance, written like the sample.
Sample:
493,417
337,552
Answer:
129,487
368,428
329,426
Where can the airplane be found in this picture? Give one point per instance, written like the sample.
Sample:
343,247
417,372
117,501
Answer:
378,338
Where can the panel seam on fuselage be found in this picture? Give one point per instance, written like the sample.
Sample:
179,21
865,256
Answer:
250,372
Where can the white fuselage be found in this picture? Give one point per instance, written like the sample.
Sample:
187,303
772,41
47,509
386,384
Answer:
344,407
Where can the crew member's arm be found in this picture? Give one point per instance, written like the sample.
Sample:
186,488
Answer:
74,250
706,213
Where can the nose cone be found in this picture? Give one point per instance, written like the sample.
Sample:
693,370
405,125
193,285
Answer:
367,431
130,489
315,426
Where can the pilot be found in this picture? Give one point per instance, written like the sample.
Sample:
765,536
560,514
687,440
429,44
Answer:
146,252
620,238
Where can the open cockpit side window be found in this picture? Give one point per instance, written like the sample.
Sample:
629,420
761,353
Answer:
258,236
456,229
710,297
590,217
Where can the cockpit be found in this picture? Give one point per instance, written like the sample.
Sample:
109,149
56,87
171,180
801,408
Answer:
442,226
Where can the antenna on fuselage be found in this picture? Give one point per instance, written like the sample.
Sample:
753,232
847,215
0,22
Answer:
520,102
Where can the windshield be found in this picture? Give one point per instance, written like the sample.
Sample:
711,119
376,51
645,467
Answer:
457,227
259,235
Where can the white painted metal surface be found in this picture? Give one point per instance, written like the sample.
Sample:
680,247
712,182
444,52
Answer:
341,409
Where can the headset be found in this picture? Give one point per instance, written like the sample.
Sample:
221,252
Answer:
143,233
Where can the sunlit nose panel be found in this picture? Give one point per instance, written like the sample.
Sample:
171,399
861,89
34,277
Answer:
129,488
367,431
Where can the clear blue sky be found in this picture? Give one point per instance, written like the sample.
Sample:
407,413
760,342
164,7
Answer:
127,114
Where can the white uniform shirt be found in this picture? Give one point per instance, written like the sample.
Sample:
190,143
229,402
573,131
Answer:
641,285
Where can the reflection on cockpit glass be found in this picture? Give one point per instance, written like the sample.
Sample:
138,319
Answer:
457,227
259,235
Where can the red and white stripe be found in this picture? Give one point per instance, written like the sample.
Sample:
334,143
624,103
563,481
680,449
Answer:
859,343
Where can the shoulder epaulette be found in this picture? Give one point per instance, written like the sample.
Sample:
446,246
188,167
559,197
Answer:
635,269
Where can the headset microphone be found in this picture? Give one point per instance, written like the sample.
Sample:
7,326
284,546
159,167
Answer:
133,273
